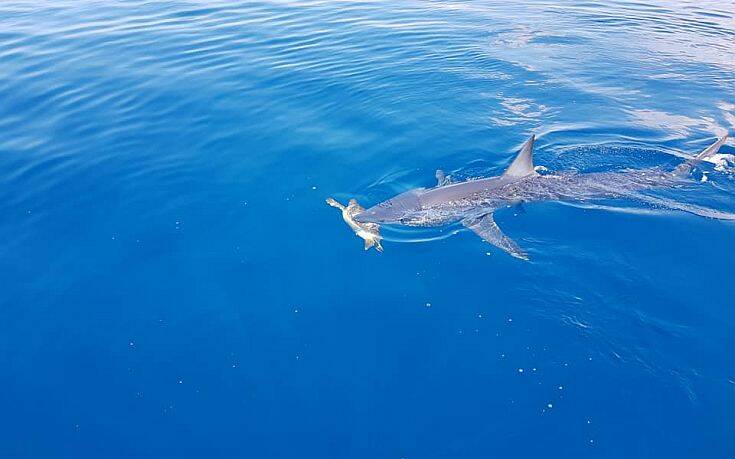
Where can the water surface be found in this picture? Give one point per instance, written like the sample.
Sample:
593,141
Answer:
173,284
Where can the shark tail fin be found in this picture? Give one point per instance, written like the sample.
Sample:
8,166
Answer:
686,167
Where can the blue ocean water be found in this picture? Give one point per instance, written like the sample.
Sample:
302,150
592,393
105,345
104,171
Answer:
173,284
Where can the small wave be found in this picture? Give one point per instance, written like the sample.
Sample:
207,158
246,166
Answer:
402,234
618,209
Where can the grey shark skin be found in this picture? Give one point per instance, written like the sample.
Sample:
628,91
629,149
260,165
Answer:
473,202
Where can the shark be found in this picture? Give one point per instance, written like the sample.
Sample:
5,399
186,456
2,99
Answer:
474,202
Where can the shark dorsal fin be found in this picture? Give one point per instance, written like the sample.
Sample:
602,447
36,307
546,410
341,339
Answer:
523,164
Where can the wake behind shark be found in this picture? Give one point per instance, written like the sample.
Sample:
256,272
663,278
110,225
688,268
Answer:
473,202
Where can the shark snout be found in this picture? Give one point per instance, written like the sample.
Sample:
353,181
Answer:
368,216
393,210
377,215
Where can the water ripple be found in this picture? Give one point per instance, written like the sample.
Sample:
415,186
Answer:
170,159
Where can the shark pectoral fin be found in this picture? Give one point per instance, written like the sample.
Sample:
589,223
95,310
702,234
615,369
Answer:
487,229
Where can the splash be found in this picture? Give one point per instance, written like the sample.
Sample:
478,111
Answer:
723,162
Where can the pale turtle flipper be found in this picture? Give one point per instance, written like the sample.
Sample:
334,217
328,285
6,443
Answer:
354,208
373,243
334,203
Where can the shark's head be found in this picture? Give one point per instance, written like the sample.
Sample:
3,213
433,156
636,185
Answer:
395,210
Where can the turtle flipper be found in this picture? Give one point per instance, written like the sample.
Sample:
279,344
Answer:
333,202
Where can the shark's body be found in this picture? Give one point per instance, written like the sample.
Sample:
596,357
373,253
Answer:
473,202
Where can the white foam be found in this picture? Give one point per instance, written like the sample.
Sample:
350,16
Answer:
723,162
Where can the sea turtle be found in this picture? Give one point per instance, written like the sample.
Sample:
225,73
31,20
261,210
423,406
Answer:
370,232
